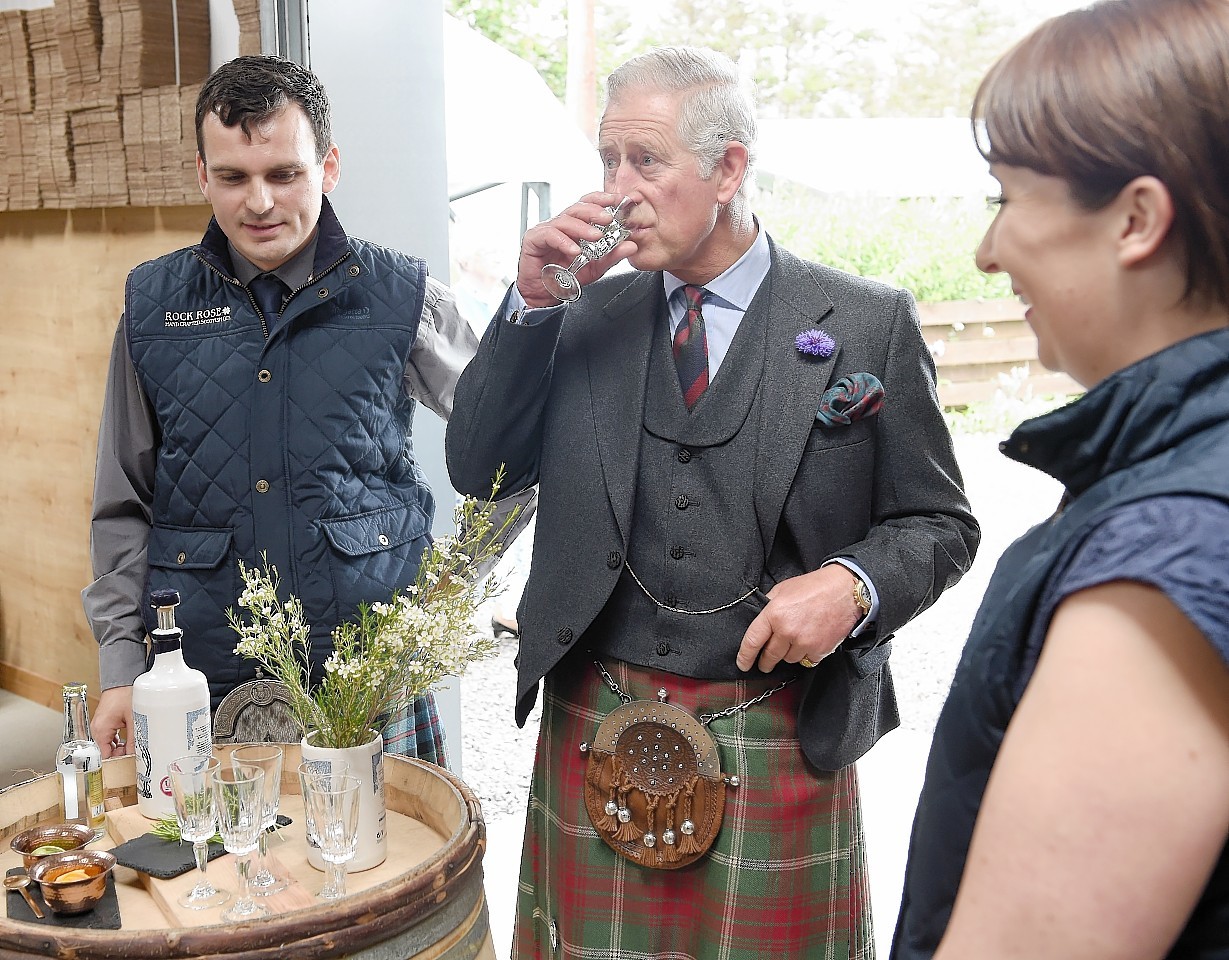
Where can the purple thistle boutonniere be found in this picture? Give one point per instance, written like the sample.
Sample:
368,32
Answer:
815,343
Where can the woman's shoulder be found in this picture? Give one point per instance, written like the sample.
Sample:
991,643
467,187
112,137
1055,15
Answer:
1178,544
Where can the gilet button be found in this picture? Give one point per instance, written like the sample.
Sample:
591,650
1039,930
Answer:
681,501
264,376
684,455
383,540
663,649
182,558
565,636
354,271
262,486
323,293
613,559
678,553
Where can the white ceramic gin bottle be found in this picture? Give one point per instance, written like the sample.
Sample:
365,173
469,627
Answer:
170,712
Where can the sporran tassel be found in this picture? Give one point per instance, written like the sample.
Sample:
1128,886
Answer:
605,821
688,844
669,839
627,829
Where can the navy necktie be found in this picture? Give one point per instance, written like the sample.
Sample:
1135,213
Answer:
691,348
270,293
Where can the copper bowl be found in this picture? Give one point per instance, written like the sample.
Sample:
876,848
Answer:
77,895
67,836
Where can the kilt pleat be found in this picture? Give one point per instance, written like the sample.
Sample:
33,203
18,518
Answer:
415,731
785,878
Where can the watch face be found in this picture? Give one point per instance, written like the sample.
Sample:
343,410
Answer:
862,593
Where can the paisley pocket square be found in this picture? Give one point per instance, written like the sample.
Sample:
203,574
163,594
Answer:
850,398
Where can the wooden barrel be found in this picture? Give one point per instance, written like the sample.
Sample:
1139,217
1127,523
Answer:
425,902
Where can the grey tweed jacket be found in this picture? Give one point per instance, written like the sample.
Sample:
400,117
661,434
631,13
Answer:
560,403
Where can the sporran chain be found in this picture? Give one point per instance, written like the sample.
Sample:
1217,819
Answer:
704,718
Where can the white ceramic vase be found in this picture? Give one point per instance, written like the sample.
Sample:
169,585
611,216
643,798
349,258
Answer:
366,763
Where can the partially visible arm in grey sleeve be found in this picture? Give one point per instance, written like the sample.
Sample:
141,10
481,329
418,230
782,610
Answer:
444,346
120,522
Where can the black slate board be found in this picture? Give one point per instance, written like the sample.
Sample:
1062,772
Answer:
163,858
159,857
104,916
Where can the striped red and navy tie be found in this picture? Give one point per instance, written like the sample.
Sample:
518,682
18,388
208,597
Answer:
691,348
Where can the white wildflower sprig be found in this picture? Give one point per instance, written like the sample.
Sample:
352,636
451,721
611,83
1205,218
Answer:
394,650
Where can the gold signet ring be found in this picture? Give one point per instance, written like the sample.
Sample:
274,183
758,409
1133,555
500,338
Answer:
808,663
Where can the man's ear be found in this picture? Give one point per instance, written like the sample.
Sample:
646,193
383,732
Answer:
332,168
1147,213
202,175
730,171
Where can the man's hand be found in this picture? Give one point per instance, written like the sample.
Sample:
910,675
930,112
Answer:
111,724
807,617
557,241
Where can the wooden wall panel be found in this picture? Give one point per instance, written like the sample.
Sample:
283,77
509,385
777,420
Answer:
978,345
63,276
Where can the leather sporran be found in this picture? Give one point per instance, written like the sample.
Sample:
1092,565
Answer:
653,787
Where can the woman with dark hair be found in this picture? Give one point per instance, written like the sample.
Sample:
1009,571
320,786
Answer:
1076,802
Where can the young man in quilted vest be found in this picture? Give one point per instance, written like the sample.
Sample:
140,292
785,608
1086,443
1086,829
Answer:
259,401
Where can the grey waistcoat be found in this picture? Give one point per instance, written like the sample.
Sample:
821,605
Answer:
692,489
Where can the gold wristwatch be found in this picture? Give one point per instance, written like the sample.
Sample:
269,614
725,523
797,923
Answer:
861,596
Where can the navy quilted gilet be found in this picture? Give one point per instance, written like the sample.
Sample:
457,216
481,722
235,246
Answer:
290,438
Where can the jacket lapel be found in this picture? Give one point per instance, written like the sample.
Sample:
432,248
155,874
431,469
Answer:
618,361
792,385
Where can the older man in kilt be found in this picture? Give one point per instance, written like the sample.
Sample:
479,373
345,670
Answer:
745,487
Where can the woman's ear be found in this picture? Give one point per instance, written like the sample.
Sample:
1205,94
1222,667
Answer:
1147,214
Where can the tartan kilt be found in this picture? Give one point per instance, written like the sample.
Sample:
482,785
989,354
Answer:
415,731
786,876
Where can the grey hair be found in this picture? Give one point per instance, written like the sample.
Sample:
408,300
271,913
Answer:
718,106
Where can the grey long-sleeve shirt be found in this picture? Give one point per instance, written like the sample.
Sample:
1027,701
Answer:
127,451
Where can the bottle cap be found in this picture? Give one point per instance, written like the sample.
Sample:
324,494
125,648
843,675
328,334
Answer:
164,598
74,689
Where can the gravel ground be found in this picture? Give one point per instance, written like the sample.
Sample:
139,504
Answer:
1007,498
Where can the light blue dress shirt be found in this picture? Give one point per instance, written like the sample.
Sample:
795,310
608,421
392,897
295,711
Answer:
729,295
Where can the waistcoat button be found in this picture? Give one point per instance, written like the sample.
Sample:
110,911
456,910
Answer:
672,600
565,636
613,559
678,553
663,649
684,455
264,376
681,501
262,486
